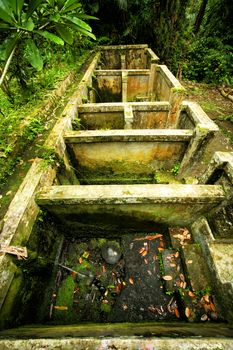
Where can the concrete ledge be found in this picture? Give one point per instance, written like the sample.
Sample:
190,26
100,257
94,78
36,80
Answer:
197,115
146,135
128,194
122,47
119,106
121,71
169,77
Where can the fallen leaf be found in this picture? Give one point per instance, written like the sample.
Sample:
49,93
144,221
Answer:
177,313
206,298
149,238
172,265
191,294
187,312
144,253
160,249
131,280
189,262
80,260
167,278
74,274
146,261
141,250
103,268
124,307
213,308
61,308
8,193
149,272
177,254
182,277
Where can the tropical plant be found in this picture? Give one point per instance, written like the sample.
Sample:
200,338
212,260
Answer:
23,21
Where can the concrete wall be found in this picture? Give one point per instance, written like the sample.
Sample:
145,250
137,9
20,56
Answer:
125,155
132,56
122,206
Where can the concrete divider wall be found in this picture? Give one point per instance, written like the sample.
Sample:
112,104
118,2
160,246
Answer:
18,223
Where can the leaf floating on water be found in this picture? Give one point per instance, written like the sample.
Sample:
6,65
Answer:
187,312
60,308
167,278
131,280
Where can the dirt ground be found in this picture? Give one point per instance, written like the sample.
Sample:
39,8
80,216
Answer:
220,110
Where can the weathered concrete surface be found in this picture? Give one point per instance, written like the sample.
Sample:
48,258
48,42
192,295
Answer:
196,267
117,330
122,205
19,221
128,151
218,257
137,85
135,56
119,344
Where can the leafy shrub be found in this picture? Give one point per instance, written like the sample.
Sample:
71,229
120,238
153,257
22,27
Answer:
210,61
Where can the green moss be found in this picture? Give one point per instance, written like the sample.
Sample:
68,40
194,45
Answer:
65,299
106,308
179,90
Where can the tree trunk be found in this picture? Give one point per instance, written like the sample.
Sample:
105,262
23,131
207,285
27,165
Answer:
200,16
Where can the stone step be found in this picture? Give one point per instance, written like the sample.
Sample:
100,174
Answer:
180,236
173,272
196,267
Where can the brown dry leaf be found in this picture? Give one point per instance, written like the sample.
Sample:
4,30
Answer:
191,294
141,250
131,280
177,254
146,261
182,277
184,285
206,298
181,284
80,260
213,308
167,278
160,249
144,253
172,265
177,313
187,312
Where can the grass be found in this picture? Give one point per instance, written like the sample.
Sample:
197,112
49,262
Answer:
22,121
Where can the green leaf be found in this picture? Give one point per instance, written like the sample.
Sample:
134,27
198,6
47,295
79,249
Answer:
5,12
28,25
33,5
84,16
7,47
32,54
78,22
60,3
64,33
51,37
71,7
83,31
16,6
69,3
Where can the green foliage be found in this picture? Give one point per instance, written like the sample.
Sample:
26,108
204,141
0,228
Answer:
209,60
34,128
22,25
175,169
49,155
